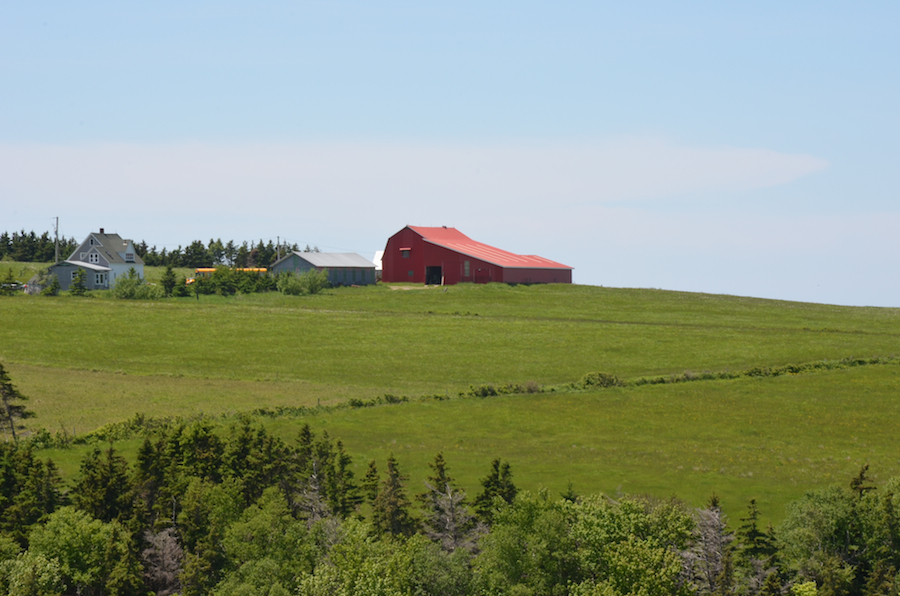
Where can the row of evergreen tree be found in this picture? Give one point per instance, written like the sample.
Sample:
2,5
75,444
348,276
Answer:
243,512
230,254
29,247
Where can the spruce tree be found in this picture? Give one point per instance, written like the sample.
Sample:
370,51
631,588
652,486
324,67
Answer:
29,490
498,483
12,410
370,482
311,486
390,509
755,544
710,554
446,518
341,490
77,287
772,587
859,484
168,281
7,287
52,288
437,482
148,481
104,489
725,580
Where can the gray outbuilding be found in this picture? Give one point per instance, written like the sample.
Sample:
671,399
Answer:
344,268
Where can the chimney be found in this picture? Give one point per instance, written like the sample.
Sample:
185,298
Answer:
101,231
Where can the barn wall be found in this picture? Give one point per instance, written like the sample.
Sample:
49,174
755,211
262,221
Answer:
424,254
394,268
537,276
452,265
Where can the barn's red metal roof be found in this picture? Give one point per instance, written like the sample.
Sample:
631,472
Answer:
455,240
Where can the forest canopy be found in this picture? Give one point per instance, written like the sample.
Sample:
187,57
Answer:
203,511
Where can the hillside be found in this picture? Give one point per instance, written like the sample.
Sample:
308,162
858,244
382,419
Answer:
95,361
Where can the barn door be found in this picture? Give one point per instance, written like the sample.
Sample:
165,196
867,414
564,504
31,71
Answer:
432,276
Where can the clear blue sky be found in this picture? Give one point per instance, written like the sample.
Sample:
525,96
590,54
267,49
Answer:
747,149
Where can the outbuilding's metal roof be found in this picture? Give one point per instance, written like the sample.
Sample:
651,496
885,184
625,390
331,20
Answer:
332,259
455,240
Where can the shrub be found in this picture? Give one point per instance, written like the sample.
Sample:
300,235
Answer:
393,399
315,281
132,287
9,285
77,287
289,284
297,284
483,391
181,289
600,379
52,287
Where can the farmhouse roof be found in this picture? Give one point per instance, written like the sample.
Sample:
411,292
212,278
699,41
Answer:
332,259
112,246
455,240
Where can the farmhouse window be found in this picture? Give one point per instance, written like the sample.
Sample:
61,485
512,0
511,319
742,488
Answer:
466,271
99,279
129,257
84,254
93,258
404,252
410,273
74,273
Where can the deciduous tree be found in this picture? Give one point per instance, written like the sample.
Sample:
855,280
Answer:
94,557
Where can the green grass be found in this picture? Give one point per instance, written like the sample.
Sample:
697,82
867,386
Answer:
22,272
349,339
92,361
768,439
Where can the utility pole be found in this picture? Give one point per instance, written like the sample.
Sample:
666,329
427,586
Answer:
57,239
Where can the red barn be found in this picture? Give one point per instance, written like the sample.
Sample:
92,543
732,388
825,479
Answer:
447,256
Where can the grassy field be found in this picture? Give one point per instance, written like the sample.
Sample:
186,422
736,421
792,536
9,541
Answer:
768,439
22,272
92,361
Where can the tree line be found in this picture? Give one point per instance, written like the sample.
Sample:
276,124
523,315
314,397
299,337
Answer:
238,511
29,247
243,512
230,254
